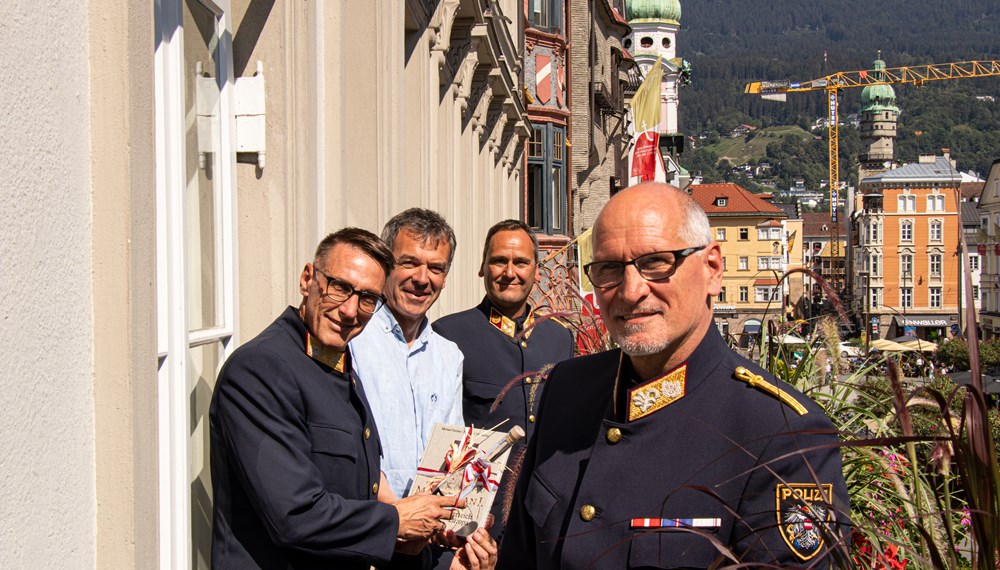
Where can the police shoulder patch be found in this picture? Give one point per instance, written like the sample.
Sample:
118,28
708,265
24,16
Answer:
803,511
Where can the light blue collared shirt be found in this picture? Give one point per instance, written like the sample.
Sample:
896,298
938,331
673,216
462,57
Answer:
409,389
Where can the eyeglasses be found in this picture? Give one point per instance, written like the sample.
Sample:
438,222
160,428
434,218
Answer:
652,267
340,291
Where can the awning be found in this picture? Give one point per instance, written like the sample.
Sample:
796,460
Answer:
752,326
765,282
921,321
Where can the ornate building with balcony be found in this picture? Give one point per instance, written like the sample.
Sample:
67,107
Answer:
908,238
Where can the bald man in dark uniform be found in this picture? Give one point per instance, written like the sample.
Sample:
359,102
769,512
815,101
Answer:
654,454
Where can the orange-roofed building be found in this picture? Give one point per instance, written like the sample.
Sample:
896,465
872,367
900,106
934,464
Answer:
755,246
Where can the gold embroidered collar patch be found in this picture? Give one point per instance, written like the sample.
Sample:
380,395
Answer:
322,353
508,326
657,393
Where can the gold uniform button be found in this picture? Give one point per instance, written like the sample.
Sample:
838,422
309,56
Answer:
527,380
368,433
375,488
587,513
614,435
524,344
531,418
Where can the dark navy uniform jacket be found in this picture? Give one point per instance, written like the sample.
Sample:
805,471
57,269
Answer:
493,358
295,461
721,448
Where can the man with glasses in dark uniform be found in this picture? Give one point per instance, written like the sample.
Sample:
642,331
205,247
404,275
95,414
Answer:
671,448
295,452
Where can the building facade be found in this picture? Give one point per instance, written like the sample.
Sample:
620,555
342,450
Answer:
754,243
908,237
199,150
599,74
988,248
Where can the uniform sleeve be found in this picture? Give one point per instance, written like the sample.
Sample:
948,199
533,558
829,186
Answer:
260,422
804,461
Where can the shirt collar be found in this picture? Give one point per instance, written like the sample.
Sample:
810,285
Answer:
388,323
339,361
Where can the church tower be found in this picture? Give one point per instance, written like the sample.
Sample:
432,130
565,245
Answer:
878,125
655,24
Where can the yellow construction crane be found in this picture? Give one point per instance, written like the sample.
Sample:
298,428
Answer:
833,84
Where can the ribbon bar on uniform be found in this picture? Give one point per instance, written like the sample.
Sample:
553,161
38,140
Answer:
674,523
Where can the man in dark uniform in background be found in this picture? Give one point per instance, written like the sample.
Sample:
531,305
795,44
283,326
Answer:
502,339
295,453
649,455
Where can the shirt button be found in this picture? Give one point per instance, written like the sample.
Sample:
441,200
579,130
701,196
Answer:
531,418
375,488
587,513
368,433
524,344
614,435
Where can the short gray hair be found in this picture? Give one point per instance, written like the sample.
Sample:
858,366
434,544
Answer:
427,225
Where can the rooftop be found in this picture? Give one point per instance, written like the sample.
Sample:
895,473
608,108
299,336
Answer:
738,200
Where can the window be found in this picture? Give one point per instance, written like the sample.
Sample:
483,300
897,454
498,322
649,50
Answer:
906,265
722,295
935,203
876,268
935,264
744,294
907,203
974,262
545,14
721,202
906,231
876,297
195,251
906,297
744,234
935,297
723,263
975,293
937,233
769,262
744,263
765,294
768,233
874,232
720,234
546,205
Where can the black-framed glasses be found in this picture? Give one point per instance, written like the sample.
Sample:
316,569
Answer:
652,267
340,291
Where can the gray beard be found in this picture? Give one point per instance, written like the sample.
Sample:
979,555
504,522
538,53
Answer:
634,347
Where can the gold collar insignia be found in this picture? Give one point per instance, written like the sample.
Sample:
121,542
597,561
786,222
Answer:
322,353
657,393
508,326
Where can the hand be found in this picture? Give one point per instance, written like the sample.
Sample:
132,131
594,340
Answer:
479,553
420,516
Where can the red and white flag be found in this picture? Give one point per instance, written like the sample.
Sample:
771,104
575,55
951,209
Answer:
543,78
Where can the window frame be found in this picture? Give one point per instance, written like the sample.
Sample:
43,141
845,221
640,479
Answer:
744,294
553,15
934,297
744,234
541,172
935,259
175,339
935,226
906,231
906,297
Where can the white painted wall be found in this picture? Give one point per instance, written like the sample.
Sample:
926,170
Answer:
47,497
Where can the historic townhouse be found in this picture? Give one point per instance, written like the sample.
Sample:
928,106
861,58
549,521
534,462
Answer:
755,253
908,249
989,253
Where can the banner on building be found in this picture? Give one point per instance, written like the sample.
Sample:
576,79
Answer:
644,158
543,78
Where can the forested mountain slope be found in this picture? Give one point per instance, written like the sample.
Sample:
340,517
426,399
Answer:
731,42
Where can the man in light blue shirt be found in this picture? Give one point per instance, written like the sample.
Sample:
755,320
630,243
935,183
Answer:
413,374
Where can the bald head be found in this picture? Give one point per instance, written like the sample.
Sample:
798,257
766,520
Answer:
656,207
